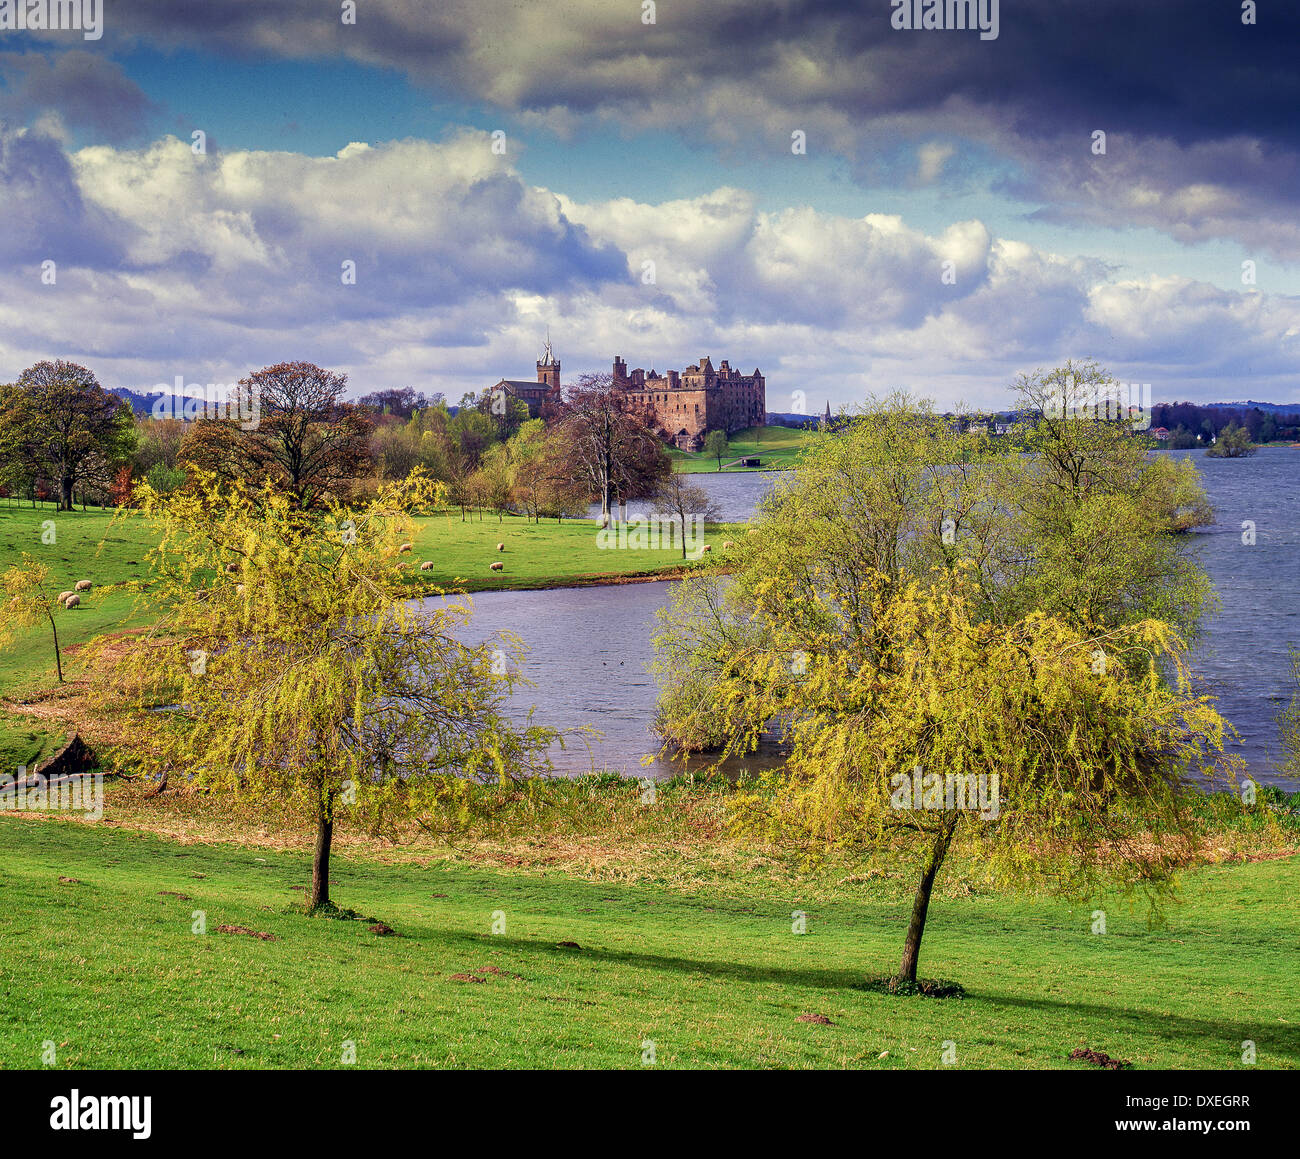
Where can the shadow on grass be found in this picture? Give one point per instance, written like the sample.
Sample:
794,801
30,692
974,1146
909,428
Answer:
1284,1041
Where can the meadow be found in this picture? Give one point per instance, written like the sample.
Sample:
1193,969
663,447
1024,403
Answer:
98,955
112,552
629,932
776,448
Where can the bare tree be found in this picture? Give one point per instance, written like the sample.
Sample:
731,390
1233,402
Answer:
612,443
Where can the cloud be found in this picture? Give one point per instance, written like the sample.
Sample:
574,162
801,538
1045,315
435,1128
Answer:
209,266
76,90
1184,86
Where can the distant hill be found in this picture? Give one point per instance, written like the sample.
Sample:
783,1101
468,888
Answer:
1269,407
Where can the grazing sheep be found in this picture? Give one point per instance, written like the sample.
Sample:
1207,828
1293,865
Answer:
72,601
405,547
427,565
727,545
498,567
708,547
232,567
83,585
501,547
63,596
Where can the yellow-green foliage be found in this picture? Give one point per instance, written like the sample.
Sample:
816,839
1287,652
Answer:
1090,743
296,667
25,597
913,595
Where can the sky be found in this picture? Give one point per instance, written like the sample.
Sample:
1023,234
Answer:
794,185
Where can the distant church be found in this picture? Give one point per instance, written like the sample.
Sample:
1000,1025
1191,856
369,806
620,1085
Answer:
535,393
684,405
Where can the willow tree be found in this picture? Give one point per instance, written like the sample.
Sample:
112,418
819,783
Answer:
27,603
301,672
888,611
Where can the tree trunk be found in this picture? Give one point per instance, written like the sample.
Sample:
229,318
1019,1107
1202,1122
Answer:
65,492
58,662
320,863
916,927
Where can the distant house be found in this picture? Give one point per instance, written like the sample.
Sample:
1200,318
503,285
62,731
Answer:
1001,428
1161,433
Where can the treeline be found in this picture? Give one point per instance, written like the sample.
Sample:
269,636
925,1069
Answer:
64,437
1190,425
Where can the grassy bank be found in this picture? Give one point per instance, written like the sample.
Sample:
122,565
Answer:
113,555
775,447
107,967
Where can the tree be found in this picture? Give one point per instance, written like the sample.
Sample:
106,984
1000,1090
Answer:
915,597
683,500
306,439
715,445
56,417
1233,443
307,676
27,603
498,473
1065,769
611,442
1289,717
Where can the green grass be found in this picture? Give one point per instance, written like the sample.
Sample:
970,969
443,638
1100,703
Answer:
108,969
775,447
84,547
88,545
545,554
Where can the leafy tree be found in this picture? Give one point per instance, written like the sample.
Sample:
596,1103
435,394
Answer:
498,472
1069,769
1233,443
307,675
1289,717
1181,439
913,596
56,417
24,589
306,439
1082,525
715,445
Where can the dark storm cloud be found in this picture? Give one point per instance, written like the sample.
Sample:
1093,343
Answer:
85,90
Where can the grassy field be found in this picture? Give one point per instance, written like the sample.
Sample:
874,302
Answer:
90,545
107,967
775,447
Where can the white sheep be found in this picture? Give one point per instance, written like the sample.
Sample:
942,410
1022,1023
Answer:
498,567
727,545
708,547
83,585
501,547
427,565
63,596
405,547
72,601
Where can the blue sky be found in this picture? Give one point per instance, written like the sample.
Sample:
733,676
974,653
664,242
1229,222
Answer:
628,144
